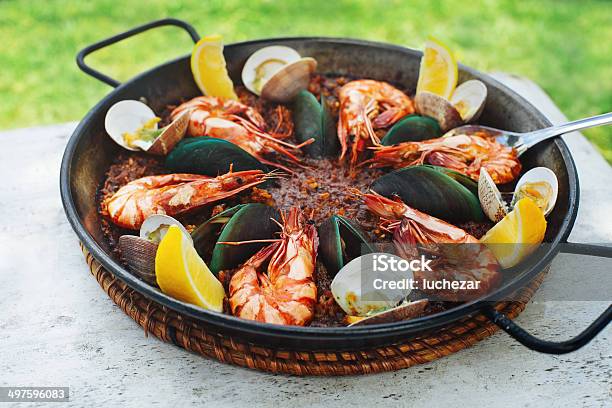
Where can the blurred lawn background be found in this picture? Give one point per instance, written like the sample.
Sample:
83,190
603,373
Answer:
564,46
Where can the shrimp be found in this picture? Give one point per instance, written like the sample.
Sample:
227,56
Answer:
239,124
174,194
466,154
366,105
417,232
287,294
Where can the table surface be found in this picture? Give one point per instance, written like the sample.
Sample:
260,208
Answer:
60,329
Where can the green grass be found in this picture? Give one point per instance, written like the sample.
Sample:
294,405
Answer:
564,46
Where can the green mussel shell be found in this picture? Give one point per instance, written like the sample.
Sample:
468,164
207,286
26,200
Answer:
432,192
206,235
464,180
245,222
413,128
340,241
314,120
211,157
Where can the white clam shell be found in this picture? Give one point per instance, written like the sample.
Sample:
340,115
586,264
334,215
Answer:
353,295
155,227
139,254
170,135
490,198
288,81
538,174
469,99
435,106
269,59
127,116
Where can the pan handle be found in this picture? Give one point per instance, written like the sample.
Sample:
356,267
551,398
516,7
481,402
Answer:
562,347
122,36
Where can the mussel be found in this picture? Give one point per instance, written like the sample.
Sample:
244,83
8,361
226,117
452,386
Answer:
432,191
138,252
210,156
246,222
313,119
277,73
412,128
133,125
340,241
461,178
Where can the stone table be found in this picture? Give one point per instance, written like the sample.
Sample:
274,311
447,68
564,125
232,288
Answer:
60,329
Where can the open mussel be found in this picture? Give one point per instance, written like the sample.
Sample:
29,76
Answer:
211,157
340,241
412,128
432,191
139,252
277,73
219,238
313,119
133,125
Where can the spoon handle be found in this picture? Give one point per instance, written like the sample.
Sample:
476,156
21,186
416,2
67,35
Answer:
535,137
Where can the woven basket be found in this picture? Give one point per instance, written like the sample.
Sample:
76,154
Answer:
192,335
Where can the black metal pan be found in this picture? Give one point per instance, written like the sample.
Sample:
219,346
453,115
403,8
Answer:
90,152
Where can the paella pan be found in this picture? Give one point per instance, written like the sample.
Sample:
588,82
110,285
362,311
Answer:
263,195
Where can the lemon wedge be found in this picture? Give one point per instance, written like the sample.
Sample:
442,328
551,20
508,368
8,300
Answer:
518,234
209,69
438,72
182,274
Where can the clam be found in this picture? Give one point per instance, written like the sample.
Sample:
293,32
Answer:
355,293
490,198
541,185
313,119
412,128
465,105
433,191
155,227
139,255
133,125
340,241
264,63
139,251
434,106
469,99
210,156
277,73
246,222
405,311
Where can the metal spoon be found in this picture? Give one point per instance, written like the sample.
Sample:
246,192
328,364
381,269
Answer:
523,141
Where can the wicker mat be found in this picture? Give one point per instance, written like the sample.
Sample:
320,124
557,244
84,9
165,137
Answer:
185,332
